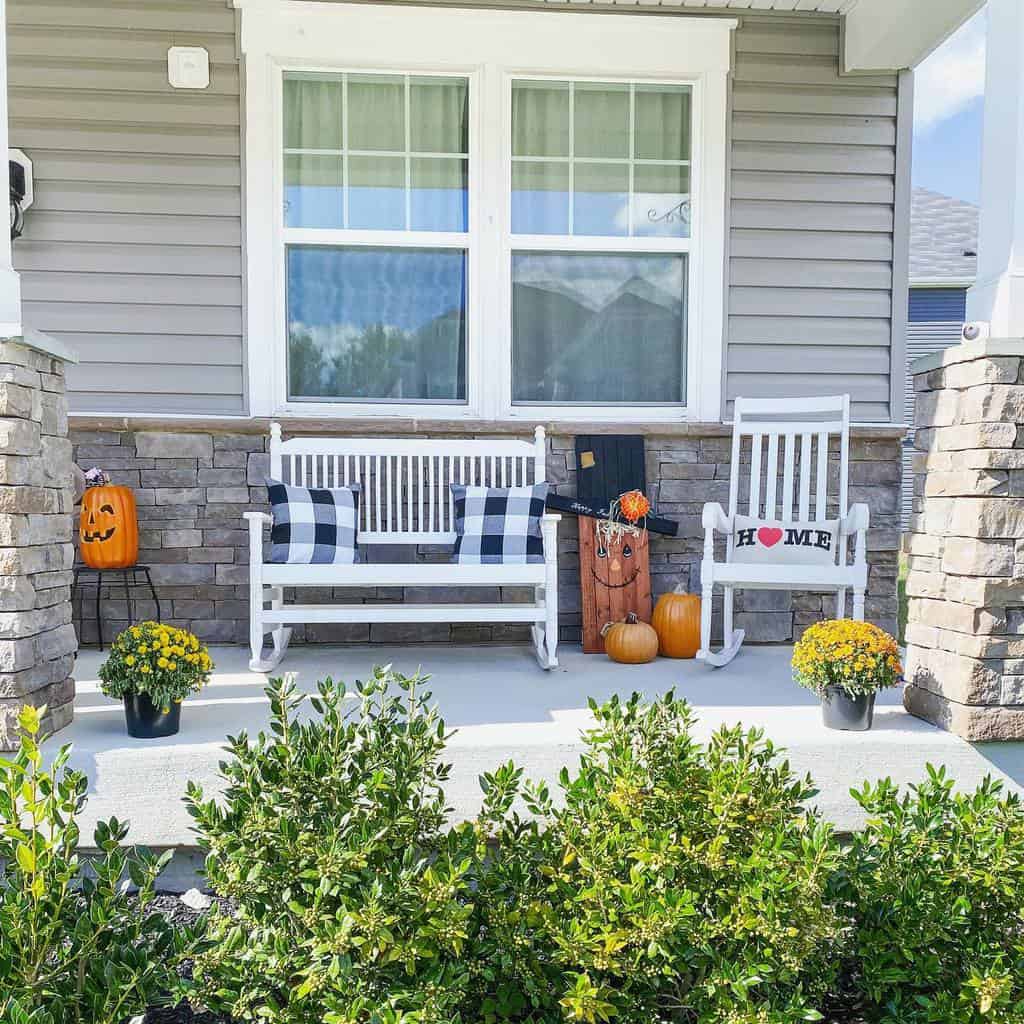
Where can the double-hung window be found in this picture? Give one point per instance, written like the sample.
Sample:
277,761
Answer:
484,214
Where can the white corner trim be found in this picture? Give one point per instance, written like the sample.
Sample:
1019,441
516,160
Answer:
487,46
942,282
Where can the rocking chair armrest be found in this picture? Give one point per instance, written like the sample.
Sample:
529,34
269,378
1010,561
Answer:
856,520
714,518
257,519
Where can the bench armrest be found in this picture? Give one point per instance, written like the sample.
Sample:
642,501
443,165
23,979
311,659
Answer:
549,531
256,521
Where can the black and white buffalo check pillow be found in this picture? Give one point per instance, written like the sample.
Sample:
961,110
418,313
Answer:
498,524
313,525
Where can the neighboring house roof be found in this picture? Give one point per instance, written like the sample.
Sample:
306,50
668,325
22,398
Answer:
943,239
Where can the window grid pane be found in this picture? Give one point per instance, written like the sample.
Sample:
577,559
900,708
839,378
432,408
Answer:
665,114
376,324
598,328
372,120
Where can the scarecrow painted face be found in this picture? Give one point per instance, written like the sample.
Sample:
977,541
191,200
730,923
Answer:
99,524
616,564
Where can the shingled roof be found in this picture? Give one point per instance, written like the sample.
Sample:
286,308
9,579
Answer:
943,238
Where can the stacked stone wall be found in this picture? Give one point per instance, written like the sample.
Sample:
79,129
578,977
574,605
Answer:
965,548
37,640
192,488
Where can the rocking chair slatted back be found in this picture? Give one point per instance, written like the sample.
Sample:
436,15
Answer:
801,431
405,482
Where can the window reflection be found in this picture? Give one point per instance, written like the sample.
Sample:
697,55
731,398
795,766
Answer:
374,324
598,328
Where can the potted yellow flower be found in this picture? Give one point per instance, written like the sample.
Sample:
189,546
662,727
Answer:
153,668
846,663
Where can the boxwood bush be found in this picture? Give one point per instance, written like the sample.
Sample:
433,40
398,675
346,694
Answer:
686,882
354,901
935,885
677,882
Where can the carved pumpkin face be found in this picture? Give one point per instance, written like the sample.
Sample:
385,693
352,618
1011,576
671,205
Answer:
108,530
616,563
101,525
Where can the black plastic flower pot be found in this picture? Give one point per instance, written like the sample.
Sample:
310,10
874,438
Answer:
848,714
147,721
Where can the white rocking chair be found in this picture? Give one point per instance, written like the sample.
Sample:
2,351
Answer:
801,429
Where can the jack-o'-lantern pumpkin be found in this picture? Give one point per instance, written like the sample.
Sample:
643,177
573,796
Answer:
676,620
108,528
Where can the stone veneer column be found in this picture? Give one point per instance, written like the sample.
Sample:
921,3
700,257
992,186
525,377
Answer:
965,634
37,639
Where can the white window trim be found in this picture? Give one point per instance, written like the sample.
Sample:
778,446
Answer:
490,48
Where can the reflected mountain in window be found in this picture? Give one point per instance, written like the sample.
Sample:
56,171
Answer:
598,328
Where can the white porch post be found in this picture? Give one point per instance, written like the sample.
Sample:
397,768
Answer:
10,284
998,295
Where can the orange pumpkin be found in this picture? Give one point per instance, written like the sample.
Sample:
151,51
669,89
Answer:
676,620
109,528
631,642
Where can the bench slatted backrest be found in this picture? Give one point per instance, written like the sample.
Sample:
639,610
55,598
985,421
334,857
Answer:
405,492
789,445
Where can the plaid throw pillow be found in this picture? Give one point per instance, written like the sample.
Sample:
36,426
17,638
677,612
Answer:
312,525
498,524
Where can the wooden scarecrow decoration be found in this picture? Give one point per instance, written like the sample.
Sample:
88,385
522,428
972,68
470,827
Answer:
615,516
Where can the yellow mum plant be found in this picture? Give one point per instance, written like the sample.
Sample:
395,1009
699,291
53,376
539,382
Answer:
856,657
166,663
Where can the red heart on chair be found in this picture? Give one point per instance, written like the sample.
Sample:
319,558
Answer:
769,536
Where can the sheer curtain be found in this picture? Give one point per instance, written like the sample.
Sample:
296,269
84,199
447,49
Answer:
313,113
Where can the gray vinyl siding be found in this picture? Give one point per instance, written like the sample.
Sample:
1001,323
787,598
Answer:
813,180
132,251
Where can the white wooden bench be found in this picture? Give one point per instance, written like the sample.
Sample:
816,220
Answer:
798,432
405,499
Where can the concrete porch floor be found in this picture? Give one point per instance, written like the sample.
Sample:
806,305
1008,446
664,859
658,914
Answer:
504,707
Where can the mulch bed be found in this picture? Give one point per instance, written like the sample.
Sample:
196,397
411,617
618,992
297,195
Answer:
170,905
180,914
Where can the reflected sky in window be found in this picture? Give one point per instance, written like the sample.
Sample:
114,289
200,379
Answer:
376,323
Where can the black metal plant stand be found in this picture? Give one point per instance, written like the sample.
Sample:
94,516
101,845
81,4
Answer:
85,576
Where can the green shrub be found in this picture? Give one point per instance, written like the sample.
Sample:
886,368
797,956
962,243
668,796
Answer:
679,883
74,947
688,882
354,901
936,886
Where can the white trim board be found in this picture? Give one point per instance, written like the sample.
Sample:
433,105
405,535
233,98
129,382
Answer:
940,282
489,47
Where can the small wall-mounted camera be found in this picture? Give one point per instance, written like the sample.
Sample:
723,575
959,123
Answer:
976,330
22,193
